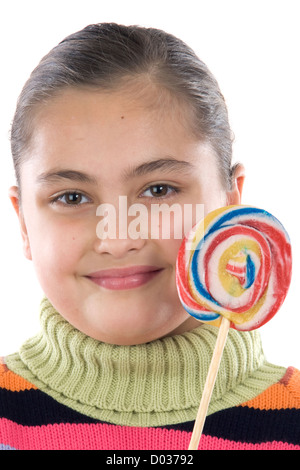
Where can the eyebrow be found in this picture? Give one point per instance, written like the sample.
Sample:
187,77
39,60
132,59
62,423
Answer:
54,176
162,164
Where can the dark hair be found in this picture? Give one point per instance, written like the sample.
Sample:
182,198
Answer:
103,56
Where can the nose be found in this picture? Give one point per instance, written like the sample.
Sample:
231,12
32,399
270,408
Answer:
114,236
117,247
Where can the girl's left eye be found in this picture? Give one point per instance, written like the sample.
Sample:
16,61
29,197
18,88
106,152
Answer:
159,191
71,198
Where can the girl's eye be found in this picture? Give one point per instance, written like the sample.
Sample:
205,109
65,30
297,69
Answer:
72,198
159,190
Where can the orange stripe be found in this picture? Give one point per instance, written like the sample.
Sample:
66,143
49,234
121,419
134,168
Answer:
12,381
282,395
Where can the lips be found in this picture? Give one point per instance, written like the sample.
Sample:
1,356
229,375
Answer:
124,278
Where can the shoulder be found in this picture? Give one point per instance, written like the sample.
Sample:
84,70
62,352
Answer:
283,395
276,412
292,381
10,381
269,421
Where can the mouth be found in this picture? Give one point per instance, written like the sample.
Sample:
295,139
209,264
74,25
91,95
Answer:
125,278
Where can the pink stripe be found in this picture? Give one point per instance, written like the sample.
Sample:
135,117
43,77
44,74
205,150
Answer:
110,437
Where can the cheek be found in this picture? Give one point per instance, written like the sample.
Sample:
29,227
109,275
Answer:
170,249
173,223
56,246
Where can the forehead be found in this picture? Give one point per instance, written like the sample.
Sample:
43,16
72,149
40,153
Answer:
111,132
136,100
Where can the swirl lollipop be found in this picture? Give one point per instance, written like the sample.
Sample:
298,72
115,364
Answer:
234,270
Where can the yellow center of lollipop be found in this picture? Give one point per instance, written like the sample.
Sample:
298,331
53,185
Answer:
233,265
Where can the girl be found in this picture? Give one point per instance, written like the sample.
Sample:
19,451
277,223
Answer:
127,111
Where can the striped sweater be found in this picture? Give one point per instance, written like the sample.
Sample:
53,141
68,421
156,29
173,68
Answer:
66,391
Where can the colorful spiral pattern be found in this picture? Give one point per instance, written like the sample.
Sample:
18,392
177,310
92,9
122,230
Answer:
235,263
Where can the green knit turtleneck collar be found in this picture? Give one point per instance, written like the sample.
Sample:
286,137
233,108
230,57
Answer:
151,384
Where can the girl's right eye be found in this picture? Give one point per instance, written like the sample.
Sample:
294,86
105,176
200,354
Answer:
70,198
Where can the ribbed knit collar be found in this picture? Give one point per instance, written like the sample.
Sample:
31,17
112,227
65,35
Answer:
151,384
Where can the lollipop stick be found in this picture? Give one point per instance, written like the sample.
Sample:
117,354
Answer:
209,384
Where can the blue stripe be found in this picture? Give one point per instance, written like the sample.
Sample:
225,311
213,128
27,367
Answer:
246,211
6,447
250,272
194,272
202,316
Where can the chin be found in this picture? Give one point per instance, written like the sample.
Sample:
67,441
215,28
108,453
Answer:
126,335
126,322
121,339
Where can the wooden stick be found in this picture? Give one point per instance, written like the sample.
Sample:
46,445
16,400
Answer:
209,384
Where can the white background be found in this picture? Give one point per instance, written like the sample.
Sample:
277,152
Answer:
252,47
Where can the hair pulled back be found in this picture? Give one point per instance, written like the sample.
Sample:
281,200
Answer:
101,56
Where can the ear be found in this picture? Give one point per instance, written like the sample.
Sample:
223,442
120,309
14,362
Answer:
14,196
234,196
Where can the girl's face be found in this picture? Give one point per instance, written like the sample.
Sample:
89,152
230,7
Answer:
89,148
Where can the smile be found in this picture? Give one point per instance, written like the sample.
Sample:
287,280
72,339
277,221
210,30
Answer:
125,278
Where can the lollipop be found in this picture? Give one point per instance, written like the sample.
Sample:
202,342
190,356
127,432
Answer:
233,270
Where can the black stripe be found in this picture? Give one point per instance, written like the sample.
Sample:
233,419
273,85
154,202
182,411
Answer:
34,408
251,425
243,424
254,425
